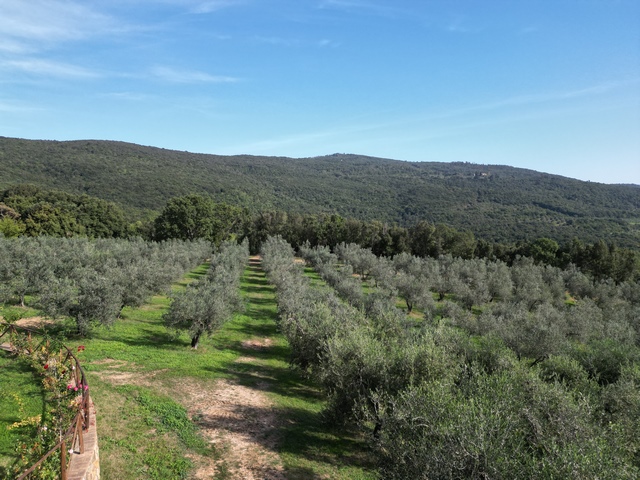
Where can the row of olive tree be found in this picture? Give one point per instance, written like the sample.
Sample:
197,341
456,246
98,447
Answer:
543,310
205,305
342,280
91,280
446,403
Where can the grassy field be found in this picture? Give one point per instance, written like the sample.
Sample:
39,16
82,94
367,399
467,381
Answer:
155,398
21,399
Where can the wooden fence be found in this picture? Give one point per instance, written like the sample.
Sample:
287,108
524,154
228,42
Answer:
73,438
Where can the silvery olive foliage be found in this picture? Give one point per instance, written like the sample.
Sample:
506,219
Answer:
521,371
91,281
205,305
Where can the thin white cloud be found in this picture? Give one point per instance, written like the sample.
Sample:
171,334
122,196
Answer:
460,24
294,42
286,42
213,5
325,43
189,6
129,96
12,107
47,68
11,46
173,75
448,123
521,100
41,23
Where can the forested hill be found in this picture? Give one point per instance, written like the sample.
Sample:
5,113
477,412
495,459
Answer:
495,202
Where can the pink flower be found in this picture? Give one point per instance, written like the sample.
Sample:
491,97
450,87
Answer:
75,389
86,387
69,387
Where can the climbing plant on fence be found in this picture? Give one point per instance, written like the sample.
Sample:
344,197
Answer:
47,441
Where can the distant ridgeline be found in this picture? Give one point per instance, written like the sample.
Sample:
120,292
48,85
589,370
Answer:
496,203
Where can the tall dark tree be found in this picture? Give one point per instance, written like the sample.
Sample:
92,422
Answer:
198,216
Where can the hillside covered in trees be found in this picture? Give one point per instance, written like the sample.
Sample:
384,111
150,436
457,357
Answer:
496,203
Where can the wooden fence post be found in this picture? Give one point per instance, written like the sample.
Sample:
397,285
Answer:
63,460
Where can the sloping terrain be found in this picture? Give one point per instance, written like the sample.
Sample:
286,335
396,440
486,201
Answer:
495,202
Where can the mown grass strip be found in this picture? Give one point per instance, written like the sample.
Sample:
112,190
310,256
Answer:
309,447
146,433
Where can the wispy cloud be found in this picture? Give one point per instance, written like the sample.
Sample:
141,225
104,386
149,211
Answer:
48,68
213,5
37,24
286,42
129,96
446,123
325,43
173,75
460,24
11,46
537,98
13,107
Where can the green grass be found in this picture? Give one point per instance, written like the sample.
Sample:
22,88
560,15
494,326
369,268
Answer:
142,435
309,447
14,312
20,390
144,429
314,277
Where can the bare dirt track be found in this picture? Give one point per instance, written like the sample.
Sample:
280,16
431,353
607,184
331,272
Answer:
240,422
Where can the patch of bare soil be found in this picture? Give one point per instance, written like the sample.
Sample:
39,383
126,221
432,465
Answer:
240,422
257,344
34,322
31,322
245,359
115,376
129,375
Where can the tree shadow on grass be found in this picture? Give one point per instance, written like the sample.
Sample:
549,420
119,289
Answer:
299,432
257,289
280,380
262,301
257,330
144,337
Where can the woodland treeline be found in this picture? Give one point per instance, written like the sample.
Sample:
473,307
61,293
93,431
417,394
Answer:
506,361
509,372
31,211
497,202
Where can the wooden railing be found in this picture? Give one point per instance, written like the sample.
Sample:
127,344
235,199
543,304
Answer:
72,439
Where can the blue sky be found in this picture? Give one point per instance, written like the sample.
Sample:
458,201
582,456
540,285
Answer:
550,85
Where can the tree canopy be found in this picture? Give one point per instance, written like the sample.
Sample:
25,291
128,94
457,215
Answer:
36,211
198,216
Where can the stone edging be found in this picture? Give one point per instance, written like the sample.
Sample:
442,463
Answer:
86,466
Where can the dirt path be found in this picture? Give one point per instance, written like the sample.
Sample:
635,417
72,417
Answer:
237,418
240,420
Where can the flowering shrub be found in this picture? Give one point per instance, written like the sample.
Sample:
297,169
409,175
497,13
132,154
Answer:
52,363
